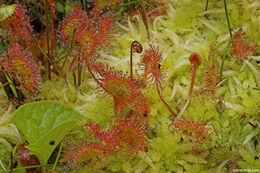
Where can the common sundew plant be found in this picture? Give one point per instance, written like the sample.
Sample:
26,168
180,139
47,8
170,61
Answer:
153,86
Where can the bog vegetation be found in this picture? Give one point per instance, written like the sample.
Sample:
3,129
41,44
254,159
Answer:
129,86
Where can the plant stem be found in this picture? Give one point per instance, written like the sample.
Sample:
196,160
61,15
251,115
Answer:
226,12
41,11
47,34
84,5
206,8
168,107
192,83
19,93
26,167
144,17
7,88
57,158
137,47
79,71
207,3
91,73
52,30
74,79
223,61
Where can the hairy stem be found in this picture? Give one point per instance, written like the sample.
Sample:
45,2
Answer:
168,107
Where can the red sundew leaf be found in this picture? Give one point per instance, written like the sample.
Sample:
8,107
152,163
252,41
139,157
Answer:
150,63
19,63
130,135
240,48
69,25
198,130
107,136
106,33
123,89
84,151
86,41
211,76
17,28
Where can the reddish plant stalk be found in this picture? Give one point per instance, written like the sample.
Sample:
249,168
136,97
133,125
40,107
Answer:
192,84
135,47
17,84
52,30
47,34
195,61
79,71
161,97
144,17
41,11
91,73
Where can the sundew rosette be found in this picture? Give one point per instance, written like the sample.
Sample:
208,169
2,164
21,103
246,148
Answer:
19,63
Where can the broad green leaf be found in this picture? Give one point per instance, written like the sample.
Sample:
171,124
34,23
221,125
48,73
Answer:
6,11
44,125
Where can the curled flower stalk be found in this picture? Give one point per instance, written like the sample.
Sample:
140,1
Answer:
135,47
